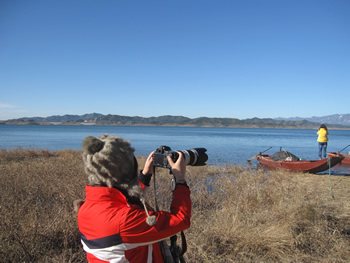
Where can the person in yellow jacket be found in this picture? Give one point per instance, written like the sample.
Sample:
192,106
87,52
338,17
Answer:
322,141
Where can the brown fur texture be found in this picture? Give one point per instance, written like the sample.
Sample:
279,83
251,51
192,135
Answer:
109,160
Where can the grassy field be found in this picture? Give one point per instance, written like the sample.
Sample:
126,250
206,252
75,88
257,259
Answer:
239,214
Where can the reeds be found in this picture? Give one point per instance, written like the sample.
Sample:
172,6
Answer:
239,214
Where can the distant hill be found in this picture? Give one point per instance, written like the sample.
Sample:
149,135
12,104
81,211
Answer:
342,119
168,120
64,118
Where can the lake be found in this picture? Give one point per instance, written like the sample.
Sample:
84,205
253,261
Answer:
224,145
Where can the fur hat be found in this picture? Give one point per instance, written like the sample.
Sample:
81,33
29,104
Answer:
109,161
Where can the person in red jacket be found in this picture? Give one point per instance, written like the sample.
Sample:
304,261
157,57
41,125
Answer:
114,222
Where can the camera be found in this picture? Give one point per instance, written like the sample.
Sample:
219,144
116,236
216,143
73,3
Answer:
193,157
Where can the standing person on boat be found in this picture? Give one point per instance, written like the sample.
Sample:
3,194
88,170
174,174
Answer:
114,222
322,141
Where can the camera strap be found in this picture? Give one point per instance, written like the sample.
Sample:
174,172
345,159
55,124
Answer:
154,189
174,253
177,251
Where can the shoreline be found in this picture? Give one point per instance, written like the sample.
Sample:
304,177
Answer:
166,125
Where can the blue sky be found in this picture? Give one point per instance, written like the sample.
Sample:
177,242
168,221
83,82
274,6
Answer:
225,58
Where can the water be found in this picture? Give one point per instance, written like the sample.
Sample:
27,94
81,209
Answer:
224,145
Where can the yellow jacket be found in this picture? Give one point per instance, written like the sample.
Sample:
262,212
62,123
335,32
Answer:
322,135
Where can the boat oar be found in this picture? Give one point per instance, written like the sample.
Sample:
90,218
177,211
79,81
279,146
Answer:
343,149
249,160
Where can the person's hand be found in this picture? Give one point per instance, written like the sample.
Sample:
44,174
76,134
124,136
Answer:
148,167
178,168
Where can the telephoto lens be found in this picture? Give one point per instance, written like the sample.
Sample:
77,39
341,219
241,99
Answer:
195,156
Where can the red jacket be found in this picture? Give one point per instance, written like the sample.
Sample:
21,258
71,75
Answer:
112,230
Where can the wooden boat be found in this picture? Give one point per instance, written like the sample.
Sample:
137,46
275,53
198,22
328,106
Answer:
305,166
346,159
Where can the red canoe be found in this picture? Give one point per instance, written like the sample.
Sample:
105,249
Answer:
346,159
305,166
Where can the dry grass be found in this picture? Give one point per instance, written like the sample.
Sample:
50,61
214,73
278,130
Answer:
239,215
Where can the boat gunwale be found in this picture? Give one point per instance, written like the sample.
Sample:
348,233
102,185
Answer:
306,166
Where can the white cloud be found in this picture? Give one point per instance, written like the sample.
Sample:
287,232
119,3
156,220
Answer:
8,112
6,106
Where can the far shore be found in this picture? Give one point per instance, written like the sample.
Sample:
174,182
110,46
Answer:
164,125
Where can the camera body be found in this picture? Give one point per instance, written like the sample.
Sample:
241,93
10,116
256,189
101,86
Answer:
193,157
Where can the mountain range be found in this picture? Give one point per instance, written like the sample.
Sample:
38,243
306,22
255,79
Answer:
332,121
342,119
